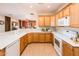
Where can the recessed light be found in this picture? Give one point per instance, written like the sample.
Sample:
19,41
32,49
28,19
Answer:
31,6
48,6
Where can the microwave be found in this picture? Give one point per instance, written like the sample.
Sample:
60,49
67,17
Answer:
64,21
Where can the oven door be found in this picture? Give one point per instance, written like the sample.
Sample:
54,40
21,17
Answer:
58,46
57,42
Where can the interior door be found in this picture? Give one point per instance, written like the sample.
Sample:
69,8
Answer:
7,23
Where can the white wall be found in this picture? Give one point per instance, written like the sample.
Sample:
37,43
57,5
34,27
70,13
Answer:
2,27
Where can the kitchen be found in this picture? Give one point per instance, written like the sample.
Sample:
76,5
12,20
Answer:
57,25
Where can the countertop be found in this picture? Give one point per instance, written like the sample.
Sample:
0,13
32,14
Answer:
7,38
66,39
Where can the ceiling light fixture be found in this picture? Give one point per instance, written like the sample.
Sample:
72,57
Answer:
48,6
31,6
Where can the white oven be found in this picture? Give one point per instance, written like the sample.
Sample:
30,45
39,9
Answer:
58,45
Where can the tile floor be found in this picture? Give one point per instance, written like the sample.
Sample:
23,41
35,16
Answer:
39,49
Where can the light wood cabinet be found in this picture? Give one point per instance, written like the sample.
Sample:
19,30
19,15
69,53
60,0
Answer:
30,37
44,21
41,21
47,21
76,51
52,20
67,49
57,18
22,44
61,14
41,37
2,52
48,37
36,37
74,15
66,11
26,39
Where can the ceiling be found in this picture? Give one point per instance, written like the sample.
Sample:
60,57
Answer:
22,9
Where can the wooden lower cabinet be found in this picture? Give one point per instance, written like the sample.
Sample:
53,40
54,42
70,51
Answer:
49,37
41,37
2,52
26,39
30,37
36,37
69,50
76,51
23,43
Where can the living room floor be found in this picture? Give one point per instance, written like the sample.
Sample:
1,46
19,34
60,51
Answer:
39,49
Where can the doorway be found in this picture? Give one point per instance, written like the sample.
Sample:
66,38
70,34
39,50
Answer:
7,23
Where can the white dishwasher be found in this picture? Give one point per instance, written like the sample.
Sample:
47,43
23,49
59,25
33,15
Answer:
13,49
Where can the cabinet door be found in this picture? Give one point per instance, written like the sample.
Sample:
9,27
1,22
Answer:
76,51
22,44
61,14
48,37
74,15
52,20
2,52
36,39
67,49
57,18
41,37
30,37
41,21
47,21
26,39
66,11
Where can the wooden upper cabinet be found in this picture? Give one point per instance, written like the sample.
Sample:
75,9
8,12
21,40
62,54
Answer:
66,11
74,15
44,21
60,14
47,21
57,18
52,20
41,21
